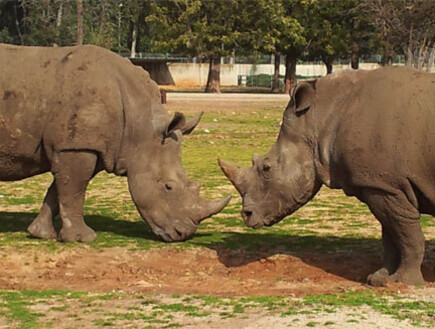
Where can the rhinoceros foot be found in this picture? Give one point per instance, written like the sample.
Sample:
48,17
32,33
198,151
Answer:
77,233
379,278
42,228
382,277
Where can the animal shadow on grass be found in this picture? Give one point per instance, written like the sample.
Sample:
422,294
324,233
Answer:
350,258
19,221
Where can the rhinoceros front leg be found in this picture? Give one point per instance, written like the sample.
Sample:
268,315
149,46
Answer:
42,225
391,251
73,171
402,237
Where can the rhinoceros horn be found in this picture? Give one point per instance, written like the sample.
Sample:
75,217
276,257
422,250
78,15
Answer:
232,172
210,208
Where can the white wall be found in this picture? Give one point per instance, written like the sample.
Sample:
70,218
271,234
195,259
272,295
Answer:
191,74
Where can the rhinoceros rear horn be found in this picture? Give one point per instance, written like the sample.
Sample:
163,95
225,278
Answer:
231,171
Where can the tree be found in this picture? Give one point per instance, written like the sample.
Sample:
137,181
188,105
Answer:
293,41
8,19
406,27
198,28
329,29
58,22
263,28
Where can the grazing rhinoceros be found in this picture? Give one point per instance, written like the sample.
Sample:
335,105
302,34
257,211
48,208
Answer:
368,133
76,111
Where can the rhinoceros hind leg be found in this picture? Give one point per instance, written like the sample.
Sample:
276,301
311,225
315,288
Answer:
72,172
42,225
402,237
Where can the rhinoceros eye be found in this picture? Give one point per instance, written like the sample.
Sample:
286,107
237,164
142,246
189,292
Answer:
267,171
168,187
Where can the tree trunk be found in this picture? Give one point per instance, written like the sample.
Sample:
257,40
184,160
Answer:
17,25
58,23
275,82
409,50
422,54
328,68
431,60
213,80
59,15
328,64
409,56
387,58
79,8
290,72
133,40
354,58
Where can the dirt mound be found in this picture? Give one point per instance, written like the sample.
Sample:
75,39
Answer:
169,270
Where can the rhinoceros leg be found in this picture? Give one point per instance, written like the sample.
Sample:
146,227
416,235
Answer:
42,225
391,252
403,238
73,172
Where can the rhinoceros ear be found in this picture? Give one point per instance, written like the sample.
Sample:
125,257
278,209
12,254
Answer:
190,124
302,97
177,122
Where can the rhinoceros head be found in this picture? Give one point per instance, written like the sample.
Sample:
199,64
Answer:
161,190
284,179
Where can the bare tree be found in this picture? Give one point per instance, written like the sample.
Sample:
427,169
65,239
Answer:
407,27
79,6
59,15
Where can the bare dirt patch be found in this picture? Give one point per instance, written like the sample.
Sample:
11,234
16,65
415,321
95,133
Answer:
194,103
169,270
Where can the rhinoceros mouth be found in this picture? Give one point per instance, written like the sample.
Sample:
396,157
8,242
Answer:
176,234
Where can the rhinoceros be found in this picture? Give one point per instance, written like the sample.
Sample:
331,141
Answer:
75,111
368,133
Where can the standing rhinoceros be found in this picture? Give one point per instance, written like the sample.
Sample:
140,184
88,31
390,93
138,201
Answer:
76,111
368,133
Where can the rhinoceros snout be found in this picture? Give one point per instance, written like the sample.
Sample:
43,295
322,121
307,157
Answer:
251,218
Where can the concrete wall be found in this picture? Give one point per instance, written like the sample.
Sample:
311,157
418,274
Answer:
190,74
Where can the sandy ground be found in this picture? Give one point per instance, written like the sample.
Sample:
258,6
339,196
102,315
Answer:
167,271
197,271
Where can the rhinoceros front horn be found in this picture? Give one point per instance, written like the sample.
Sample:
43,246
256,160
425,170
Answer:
213,207
231,171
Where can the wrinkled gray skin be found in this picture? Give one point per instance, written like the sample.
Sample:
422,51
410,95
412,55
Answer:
75,111
368,133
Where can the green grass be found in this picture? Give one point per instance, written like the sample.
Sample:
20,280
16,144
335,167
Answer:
19,308
233,136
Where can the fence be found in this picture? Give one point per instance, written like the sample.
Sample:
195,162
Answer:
190,74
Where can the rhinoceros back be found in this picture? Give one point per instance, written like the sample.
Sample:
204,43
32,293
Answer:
56,99
385,138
